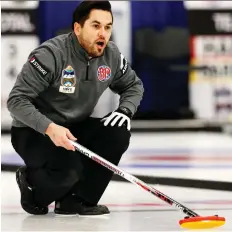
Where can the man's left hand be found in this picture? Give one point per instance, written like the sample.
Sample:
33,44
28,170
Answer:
122,116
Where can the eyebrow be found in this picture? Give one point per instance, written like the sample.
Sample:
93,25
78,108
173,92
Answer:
95,21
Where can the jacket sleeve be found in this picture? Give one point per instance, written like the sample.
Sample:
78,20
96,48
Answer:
127,84
35,77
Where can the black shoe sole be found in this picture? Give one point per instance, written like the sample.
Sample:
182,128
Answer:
64,213
86,214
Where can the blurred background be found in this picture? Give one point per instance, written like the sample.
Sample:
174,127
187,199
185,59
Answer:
181,139
182,51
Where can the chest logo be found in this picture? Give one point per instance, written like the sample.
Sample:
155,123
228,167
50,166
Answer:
103,73
68,80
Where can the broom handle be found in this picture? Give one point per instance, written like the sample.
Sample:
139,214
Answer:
133,179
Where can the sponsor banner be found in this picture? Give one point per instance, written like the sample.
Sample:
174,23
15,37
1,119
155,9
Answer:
211,54
15,51
214,4
18,21
211,47
215,70
215,100
222,101
211,88
19,4
210,22
19,38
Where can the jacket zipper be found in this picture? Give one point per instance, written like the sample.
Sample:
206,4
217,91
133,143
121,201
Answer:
87,72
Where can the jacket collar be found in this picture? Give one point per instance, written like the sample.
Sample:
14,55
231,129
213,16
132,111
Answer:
77,48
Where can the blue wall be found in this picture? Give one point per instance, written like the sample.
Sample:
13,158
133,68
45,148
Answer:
53,16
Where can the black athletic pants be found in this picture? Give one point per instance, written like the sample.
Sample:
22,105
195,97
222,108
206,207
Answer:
55,172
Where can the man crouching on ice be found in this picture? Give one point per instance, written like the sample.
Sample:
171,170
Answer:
51,102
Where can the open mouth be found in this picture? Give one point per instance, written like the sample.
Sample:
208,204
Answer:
100,44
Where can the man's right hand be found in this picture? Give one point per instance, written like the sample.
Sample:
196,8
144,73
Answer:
60,136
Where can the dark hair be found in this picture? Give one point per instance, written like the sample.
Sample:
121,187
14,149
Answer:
81,13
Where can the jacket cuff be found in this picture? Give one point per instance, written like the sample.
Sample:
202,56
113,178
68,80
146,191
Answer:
129,106
43,124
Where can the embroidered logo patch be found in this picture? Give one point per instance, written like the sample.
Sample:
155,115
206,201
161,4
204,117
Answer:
103,73
68,80
38,66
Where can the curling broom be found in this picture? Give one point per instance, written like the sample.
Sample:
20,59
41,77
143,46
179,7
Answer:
191,221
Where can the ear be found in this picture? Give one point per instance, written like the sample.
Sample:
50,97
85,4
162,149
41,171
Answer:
77,28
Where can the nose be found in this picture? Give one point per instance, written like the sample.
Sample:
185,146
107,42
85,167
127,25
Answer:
102,32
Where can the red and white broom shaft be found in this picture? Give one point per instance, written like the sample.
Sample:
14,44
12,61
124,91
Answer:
132,179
